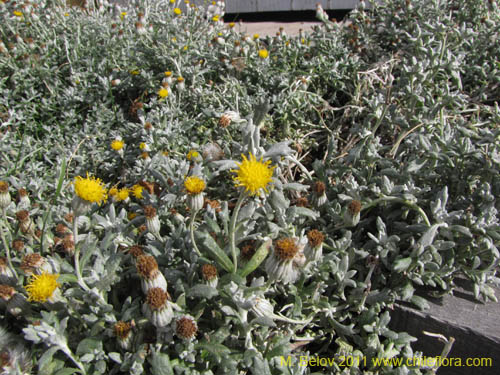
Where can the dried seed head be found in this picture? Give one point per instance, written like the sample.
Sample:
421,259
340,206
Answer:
248,250
215,204
22,216
4,187
122,329
186,328
149,212
61,229
354,207
22,193
148,126
18,245
319,187
156,298
136,251
224,121
6,293
315,237
69,217
31,262
286,248
209,272
68,244
302,202
147,266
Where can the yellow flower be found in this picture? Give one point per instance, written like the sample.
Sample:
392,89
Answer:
256,36
134,72
142,146
66,14
90,189
215,18
193,155
194,185
122,194
117,144
185,48
137,191
231,24
168,74
41,287
17,13
131,215
174,39
172,1
177,11
180,79
163,92
253,175
113,191
263,53
123,14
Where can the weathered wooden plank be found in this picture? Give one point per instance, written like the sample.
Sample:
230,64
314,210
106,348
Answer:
473,324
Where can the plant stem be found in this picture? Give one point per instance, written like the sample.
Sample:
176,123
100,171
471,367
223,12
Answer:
191,231
6,246
232,226
78,272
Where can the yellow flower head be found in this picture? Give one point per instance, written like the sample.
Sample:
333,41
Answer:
123,14
113,191
177,11
117,144
168,74
131,215
256,36
253,175
263,53
90,189
193,155
231,24
185,48
194,185
180,79
135,72
163,92
18,13
41,287
215,18
122,194
137,191
142,146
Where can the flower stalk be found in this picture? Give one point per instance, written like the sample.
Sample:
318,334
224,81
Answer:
232,225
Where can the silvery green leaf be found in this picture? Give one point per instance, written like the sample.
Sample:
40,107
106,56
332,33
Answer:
429,235
202,291
278,200
295,186
223,165
160,363
263,321
401,264
302,211
115,357
214,348
278,149
420,302
260,366
247,211
89,345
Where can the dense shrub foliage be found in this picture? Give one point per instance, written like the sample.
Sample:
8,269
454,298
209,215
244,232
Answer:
180,198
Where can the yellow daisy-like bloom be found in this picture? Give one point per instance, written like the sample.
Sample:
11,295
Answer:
18,13
253,175
123,14
256,36
215,18
168,73
263,53
122,194
137,191
142,146
113,191
177,11
193,155
135,72
231,24
117,144
90,189
163,93
194,185
41,287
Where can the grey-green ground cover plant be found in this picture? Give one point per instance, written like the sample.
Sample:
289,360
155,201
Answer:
179,198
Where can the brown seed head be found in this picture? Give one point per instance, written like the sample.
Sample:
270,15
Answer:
31,262
18,245
354,207
315,237
68,244
61,229
286,248
224,121
149,212
148,126
6,293
22,193
209,272
122,329
147,266
144,155
319,188
186,327
302,202
22,216
215,204
136,251
248,250
69,217
3,263
156,298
